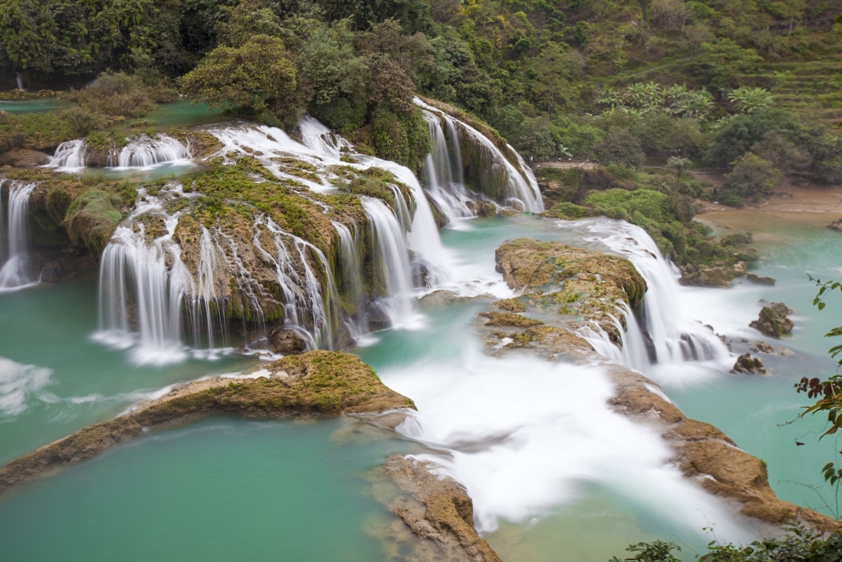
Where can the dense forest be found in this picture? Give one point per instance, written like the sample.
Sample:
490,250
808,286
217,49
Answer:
645,88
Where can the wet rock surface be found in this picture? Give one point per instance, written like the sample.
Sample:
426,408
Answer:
760,280
436,515
748,365
773,320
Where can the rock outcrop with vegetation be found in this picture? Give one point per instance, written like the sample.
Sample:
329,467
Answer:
773,320
560,279
539,270
319,383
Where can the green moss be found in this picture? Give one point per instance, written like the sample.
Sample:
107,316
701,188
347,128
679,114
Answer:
92,218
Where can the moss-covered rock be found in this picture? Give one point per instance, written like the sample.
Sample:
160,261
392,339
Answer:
319,383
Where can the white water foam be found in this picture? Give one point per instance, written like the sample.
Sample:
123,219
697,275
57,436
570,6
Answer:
18,383
524,436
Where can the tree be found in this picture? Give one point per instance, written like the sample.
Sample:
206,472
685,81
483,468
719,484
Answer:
249,79
752,177
723,62
620,147
678,164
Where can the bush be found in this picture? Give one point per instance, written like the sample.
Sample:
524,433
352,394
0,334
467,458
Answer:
620,147
115,94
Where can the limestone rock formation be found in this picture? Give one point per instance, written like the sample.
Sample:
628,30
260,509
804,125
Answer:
319,383
437,508
760,280
773,320
747,365
569,281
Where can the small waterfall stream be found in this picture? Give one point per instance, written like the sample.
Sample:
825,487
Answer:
393,260
443,171
665,337
16,272
519,184
140,152
144,152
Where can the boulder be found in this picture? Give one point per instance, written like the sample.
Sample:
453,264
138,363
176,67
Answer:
773,320
836,225
763,346
287,342
747,366
52,272
760,280
23,158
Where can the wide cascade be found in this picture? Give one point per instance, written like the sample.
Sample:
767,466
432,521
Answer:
17,271
665,336
466,167
140,152
173,279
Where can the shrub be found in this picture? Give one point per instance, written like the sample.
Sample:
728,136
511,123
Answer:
115,94
620,147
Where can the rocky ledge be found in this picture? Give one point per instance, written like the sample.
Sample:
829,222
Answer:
319,383
436,509
593,285
562,281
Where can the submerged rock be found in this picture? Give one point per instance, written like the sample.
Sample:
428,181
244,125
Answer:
708,276
747,366
286,342
836,225
509,319
319,383
760,280
763,346
773,320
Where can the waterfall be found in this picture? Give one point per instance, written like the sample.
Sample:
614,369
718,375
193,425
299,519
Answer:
16,271
666,337
302,293
144,152
443,171
135,287
519,184
390,250
352,275
70,155
19,79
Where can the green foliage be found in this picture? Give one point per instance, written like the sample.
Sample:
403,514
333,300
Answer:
657,551
250,79
752,177
115,95
620,147
723,62
92,218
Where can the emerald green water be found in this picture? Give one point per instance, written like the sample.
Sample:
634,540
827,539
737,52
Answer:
32,106
49,327
756,411
183,114
221,489
229,489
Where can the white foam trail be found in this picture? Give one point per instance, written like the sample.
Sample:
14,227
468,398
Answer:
523,435
17,383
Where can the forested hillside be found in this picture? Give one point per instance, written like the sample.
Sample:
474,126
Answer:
752,85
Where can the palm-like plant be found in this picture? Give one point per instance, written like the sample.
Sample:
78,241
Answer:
749,100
